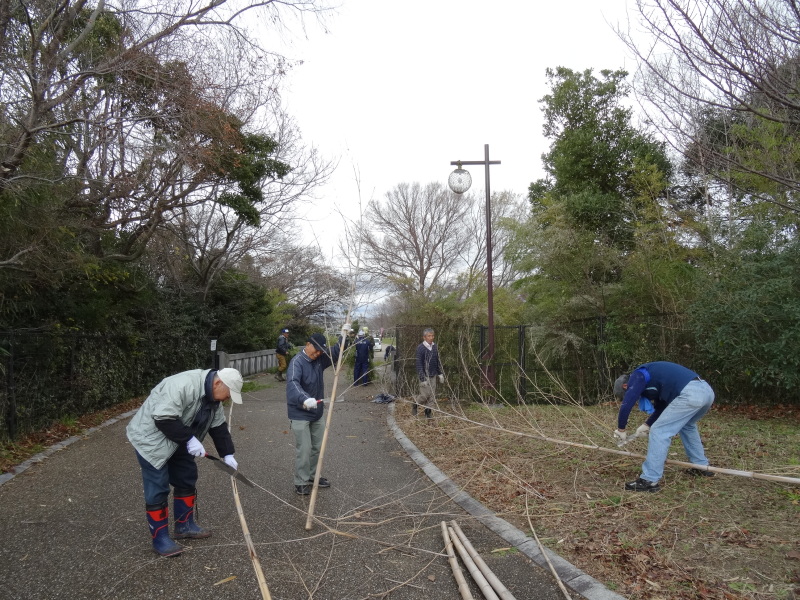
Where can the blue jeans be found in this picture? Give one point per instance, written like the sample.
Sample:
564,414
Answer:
180,471
680,417
307,443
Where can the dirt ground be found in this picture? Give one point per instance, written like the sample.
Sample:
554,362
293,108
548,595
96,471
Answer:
699,538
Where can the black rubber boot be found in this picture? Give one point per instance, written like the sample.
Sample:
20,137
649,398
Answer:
414,408
158,519
185,526
428,413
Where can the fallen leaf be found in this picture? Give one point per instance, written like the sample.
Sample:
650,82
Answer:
226,580
795,554
431,577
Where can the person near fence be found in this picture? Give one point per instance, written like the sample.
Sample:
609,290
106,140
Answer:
679,398
305,391
282,353
361,367
429,370
167,433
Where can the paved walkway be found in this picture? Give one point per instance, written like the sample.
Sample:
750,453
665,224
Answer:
73,524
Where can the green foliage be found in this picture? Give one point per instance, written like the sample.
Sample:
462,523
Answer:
747,317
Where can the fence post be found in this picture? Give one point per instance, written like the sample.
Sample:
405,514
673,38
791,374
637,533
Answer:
11,410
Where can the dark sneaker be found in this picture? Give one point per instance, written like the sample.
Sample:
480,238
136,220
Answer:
699,473
302,490
642,485
323,482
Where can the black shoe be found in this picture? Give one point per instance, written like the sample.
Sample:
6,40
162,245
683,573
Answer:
642,485
302,490
414,411
699,473
323,482
428,413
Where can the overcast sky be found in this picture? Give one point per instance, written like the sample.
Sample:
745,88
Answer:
397,90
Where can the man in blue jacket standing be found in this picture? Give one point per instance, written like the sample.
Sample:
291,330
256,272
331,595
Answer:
429,370
305,390
679,398
361,368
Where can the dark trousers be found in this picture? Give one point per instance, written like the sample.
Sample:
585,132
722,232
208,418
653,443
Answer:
180,472
360,376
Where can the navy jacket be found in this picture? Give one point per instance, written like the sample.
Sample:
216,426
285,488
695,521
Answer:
304,380
428,362
660,382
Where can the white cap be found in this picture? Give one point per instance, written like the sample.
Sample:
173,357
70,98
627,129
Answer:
233,379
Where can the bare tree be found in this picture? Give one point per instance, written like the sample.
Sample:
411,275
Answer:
721,79
506,208
312,286
130,113
414,238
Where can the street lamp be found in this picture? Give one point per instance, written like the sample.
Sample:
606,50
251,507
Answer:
460,181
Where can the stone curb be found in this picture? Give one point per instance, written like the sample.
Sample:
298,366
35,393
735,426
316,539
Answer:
578,581
23,466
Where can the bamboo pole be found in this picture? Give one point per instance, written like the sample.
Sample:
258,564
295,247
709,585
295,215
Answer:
560,583
497,585
248,540
463,588
736,472
345,330
313,501
485,587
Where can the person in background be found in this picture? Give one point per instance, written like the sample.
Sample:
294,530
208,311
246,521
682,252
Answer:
361,368
282,353
167,433
429,370
679,398
305,390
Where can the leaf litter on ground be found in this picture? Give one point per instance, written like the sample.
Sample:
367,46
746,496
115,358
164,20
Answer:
725,537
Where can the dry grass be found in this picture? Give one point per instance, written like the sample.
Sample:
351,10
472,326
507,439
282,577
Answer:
723,537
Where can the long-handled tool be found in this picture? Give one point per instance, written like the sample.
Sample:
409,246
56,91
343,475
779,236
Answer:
230,470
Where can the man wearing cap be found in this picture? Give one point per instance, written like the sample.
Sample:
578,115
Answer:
305,390
167,433
282,352
678,398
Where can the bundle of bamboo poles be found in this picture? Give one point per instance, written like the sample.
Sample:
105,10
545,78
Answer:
488,583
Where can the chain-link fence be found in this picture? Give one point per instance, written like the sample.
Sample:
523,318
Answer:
576,361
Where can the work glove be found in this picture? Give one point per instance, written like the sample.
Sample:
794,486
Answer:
195,447
230,461
441,378
310,404
620,436
424,382
643,430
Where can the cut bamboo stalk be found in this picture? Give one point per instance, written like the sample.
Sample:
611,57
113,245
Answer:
248,540
560,583
463,588
496,584
313,501
483,585
736,472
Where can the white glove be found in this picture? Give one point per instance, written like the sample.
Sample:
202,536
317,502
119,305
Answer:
230,461
643,430
441,378
621,436
195,447
424,382
310,404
